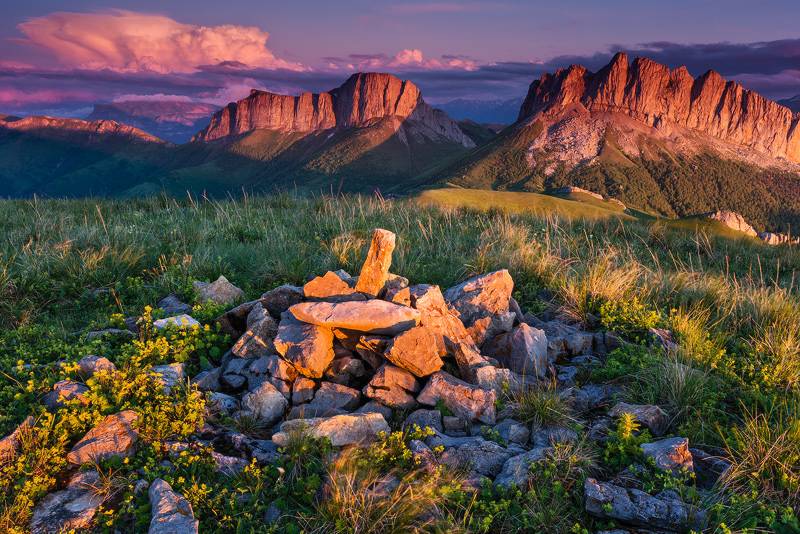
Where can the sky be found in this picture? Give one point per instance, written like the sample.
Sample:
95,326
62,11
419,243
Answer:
61,57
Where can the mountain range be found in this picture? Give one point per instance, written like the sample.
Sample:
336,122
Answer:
656,139
483,111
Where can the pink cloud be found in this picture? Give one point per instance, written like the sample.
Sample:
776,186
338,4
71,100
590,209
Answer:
16,99
126,41
412,59
441,7
158,97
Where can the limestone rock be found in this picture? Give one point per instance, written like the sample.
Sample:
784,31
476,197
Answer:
91,364
308,347
378,408
637,508
259,338
599,395
208,380
171,512
114,437
172,305
424,419
464,400
280,299
345,370
524,351
169,375
419,351
220,291
670,455
9,445
547,436
375,270
63,391
180,321
223,402
393,387
72,508
342,430
484,457
330,288
331,397
512,431
303,390
516,470
650,416
370,317
732,220
485,296
265,403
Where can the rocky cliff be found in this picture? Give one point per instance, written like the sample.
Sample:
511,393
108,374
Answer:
361,101
174,121
652,94
41,125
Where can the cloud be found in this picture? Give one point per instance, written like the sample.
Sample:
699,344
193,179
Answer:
157,97
406,60
130,42
442,7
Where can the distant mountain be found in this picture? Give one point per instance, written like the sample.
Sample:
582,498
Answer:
649,137
173,121
791,103
483,111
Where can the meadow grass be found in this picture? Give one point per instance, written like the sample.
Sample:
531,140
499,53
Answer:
69,265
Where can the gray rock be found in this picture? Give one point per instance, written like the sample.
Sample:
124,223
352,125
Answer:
114,437
280,299
223,402
171,512
552,435
259,338
111,332
485,296
63,392
342,430
424,419
393,387
639,509
580,344
600,395
371,349
517,469
566,376
370,317
332,396
91,364
483,457
709,469
234,382
513,431
464,400
497,379
208,380
265,403
670,455
649,415
459,424
664,338
72,508
220,291
578,399
308,347
179,321
172,306
423,455
227,466
524,351
378,408
169,375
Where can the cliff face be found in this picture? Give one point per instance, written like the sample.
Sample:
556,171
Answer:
649,93
361,100
59,126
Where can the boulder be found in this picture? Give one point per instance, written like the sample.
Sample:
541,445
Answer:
484,457
273,368
64,391
419,351
394,387
497,379
513,431
303,390
375,270
71,509
223,402
172,305
482,297
91,364
208,380
330,288
378,408
114,437
179,321
580,344
9,445
371,349
423,456
265,403
670,455
424,419
308,347
600,395
280,299
524,351
169,375
332,396
234,322
708,469
171,512
227,466
547,436
370,317
345,370
219,291
342,430
464,400
649,415
259,338
517,469
637,508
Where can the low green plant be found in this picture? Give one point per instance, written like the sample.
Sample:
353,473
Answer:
624,446
543,405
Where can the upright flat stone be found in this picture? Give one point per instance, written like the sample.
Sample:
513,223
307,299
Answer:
524,351
71,509
393,387
482,297
171,512
9,445
330,288
375,271
259,338
464,400
220,291
370,317
419,351
309,347
114,437
342,430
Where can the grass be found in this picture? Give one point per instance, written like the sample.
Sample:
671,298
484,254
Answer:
70,265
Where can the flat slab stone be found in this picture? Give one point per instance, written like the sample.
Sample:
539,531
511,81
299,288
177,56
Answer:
350,429
370,317
375,270
309,347
171,512
464,400
72,508
419,351
114,437
181,321
64,391
330,288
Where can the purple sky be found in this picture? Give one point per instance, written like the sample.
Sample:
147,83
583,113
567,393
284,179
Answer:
60,57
